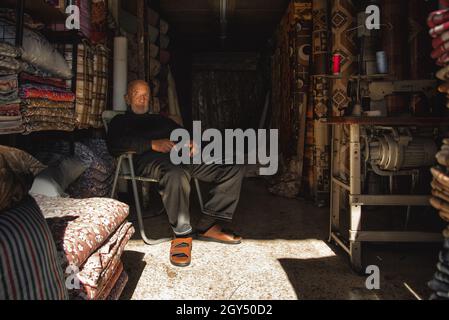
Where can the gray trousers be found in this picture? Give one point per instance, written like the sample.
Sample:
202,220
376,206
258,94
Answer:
175,187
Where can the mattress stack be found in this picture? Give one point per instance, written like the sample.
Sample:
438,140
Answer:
10,116
90,237
438,22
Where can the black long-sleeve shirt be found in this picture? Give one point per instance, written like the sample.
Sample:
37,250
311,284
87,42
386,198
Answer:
133,132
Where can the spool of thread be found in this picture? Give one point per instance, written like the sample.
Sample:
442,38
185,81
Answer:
382,64
336,64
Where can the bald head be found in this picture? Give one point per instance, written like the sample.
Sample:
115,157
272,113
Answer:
138,96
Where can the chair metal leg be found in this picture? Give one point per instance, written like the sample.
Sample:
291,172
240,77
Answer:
200,196
117,173
139,210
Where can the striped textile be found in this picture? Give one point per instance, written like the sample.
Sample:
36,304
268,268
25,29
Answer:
29,266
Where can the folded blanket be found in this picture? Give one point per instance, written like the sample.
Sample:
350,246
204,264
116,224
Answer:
47,126
80,227
438,52
64,119
102,270
443,74
42,103
19,129
438,17
120,285
49,112
117,290
8,83
9,109
436,42
45,92
10,124
29,78
10,118
8,50
102,264
439,29
10,65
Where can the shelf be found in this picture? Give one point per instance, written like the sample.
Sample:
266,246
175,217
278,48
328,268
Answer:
407,121
69,36
39,10
371,76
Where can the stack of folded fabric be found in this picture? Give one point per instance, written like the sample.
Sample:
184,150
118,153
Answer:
90,237
47,104
440,201
438,21
91,83
10,116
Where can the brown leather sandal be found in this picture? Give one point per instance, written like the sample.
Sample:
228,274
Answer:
181,252
217,234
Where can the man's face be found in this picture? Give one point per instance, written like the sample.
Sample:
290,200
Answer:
139,98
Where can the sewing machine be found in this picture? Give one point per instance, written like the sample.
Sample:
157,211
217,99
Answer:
373,93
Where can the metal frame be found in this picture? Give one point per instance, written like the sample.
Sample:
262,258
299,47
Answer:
356,201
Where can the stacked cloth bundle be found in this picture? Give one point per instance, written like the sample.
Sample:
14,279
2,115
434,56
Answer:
438,22
90,237
91,83
10,116
440,201
47,103
97,180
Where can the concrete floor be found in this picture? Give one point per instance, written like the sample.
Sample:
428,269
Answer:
285,255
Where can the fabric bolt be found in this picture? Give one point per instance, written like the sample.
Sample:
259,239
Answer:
344,44
29,265
80,227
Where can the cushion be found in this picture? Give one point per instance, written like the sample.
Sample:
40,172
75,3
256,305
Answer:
38,51
80,227
29,266
17,171
53,181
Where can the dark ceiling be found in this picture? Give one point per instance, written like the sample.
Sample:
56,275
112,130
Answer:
197,22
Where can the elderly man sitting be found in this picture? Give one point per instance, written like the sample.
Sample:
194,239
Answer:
148,136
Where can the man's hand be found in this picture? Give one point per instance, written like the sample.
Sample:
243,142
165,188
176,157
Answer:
194,149
162,146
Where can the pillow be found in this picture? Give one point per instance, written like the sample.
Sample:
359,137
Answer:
17,171
29,266
21,161
53,181
38,51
